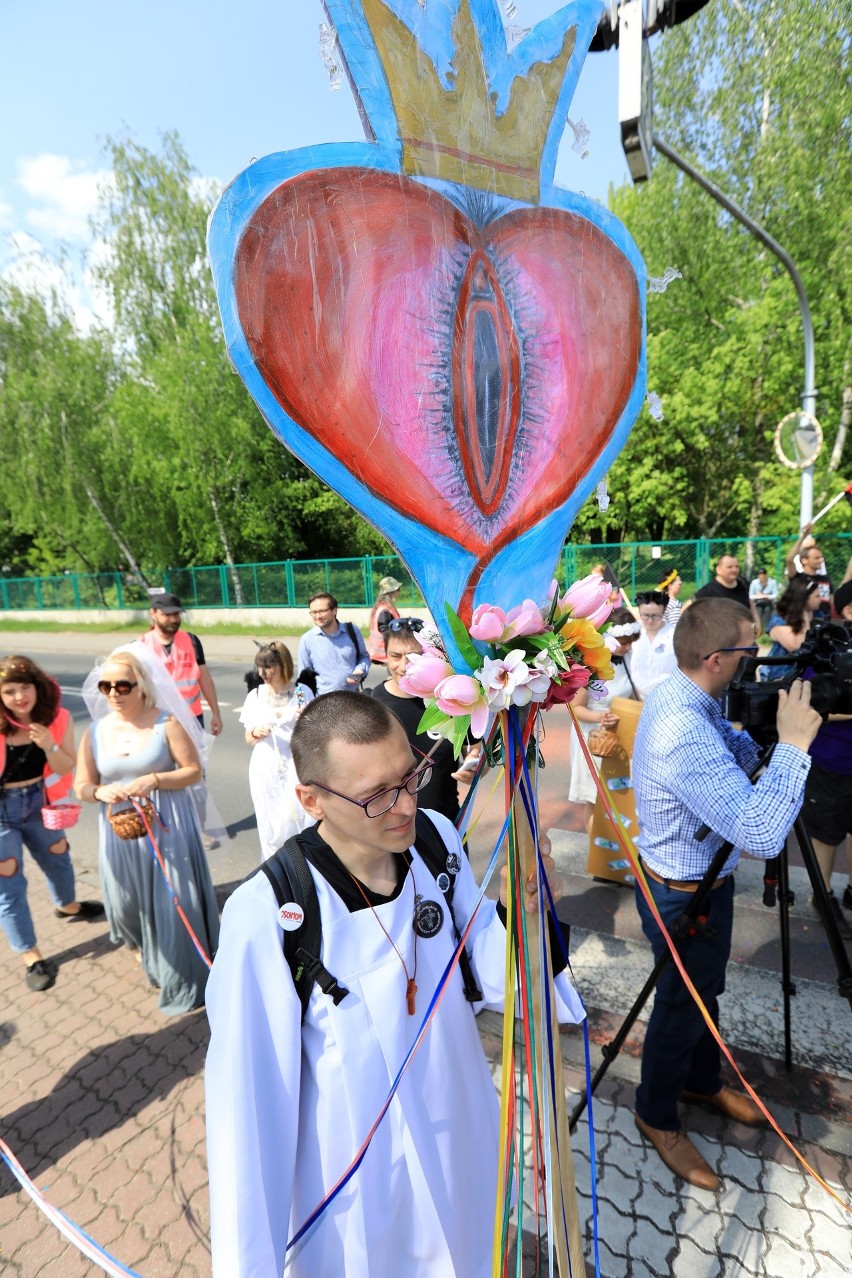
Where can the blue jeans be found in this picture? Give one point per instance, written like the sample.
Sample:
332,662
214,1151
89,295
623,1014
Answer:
680,1053
21,826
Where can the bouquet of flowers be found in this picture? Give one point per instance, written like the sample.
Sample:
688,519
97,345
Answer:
529,655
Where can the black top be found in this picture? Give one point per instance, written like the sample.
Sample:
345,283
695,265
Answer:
441,791
196,647
715,590
335,873
23,763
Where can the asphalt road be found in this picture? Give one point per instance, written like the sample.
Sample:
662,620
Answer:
227,774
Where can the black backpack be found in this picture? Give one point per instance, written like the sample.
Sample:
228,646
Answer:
291,880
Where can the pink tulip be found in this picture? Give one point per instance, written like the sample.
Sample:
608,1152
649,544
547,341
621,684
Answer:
526,619
585,596
599,616
487,623
462,694
424,672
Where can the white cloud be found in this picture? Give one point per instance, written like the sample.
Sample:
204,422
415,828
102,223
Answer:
64,195
32,269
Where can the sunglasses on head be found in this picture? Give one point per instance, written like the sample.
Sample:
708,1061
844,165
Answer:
400,623
122,686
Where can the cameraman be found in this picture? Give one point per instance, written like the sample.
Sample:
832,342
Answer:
690,767
827,811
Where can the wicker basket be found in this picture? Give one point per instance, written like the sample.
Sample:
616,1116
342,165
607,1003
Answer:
602,742
60,816
128,823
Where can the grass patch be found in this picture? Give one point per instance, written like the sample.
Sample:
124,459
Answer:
137,627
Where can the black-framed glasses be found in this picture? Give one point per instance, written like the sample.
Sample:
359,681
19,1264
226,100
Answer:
400,623
122,686
752,649
378,804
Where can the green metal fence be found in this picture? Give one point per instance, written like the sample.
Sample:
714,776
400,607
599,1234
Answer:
638,565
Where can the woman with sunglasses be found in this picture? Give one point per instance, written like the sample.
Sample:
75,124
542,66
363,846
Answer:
136,749
36,765
269,715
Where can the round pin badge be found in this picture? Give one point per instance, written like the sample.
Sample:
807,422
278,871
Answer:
443,881
428,919
290,916
454,863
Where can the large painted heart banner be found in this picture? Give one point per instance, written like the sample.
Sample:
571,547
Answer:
448,339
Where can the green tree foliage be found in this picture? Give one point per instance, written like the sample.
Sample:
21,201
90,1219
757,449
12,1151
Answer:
755,93
139,447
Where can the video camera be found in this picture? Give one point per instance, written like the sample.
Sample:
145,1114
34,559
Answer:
826,656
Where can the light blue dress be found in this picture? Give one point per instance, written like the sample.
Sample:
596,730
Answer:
138,904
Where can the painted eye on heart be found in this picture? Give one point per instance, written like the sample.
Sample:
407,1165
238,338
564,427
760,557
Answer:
440,351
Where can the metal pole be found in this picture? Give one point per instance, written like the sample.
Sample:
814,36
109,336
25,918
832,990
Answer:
806,503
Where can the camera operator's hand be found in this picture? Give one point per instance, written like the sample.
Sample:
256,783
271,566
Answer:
797,721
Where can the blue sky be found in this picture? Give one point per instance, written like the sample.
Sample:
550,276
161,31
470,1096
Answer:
236,80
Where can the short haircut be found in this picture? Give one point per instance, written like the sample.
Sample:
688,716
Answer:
122,657
407,636
350,717
728,554
705,627
332,602
655,597
17,669
275,654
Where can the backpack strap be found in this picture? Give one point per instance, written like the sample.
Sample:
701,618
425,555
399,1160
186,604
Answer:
433,851
291,881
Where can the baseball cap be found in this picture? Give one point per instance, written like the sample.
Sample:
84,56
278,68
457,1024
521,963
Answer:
164,602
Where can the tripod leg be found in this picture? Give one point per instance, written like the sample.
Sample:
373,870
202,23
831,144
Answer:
823,905
785,900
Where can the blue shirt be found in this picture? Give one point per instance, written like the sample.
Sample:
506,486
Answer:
334,658
690,768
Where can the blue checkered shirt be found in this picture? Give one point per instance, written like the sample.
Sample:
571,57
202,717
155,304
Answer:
690,768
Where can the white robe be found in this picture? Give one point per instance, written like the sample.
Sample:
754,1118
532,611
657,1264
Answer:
289,1106
272,776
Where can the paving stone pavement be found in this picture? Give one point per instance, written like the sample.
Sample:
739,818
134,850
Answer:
102,1102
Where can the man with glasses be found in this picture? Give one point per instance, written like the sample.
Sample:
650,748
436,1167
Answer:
292,1103
441,791
335,653
691,768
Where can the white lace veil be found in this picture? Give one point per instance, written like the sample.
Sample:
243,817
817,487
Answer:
169,700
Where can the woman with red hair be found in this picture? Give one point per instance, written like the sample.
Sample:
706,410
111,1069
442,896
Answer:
36,763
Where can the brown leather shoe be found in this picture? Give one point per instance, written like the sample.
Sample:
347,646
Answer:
680,1155
736,1105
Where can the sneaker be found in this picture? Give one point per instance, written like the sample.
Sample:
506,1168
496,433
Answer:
847,897
843,927
39,976
210,844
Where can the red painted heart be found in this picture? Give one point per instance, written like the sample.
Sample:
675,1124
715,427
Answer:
467,368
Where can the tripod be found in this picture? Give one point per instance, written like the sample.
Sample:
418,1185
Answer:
776,882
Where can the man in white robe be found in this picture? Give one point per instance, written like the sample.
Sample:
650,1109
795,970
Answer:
290,1104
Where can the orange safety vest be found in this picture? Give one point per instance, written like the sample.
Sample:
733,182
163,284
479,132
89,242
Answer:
55,786
376,640
181,665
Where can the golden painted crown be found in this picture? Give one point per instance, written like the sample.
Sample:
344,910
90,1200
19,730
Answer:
454,130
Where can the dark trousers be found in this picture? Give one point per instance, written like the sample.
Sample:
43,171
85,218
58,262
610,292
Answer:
680,1053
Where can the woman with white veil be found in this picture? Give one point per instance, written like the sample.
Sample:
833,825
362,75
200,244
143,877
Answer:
143,744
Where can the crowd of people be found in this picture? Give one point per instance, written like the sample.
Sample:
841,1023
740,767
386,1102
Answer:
336,779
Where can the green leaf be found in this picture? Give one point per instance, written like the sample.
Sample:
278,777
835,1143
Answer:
461,727
432,717
464,643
